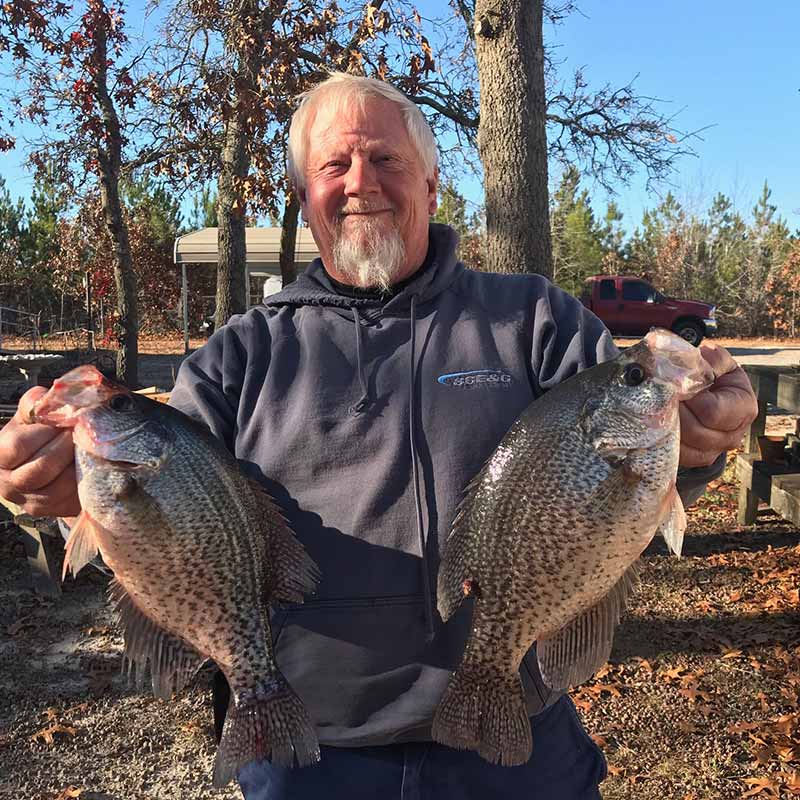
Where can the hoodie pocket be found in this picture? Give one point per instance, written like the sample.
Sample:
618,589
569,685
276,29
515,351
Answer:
364,667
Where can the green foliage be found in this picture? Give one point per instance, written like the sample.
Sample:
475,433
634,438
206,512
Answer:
452,210
156,206
718,257
204,210
577,237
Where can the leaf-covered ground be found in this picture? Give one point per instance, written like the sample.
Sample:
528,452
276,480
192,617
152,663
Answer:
701,700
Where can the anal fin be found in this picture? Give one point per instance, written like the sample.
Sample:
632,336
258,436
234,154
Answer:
575,652
172,661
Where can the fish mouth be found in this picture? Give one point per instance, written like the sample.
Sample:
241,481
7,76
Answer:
678,364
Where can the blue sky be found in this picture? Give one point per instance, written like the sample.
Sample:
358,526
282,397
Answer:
733,66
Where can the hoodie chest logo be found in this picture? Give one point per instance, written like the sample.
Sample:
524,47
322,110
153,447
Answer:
477,378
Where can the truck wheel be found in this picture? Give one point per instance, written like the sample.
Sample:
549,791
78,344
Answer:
691,331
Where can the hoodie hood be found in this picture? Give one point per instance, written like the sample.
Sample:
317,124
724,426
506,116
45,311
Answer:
313,287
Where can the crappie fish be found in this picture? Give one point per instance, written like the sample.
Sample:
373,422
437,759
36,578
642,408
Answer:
197,550
549,531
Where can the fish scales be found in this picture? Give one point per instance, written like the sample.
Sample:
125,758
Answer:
549,532
198,550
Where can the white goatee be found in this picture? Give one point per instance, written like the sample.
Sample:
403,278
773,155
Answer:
371,256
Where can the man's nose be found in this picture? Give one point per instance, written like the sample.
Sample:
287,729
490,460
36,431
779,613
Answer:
361,178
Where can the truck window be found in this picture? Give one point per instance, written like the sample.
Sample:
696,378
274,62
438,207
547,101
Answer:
607,290
637,290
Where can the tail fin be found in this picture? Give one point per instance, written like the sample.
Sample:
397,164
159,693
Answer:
268,722
486,713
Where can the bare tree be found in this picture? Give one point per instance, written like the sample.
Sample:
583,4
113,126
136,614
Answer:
71,82
528,116
250,58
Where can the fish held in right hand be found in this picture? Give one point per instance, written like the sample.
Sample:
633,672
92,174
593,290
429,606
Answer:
548,535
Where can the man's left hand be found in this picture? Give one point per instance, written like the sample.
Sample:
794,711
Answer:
717,418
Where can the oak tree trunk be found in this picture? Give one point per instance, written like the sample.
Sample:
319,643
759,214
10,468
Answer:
511,136
109,157
289,238
231,247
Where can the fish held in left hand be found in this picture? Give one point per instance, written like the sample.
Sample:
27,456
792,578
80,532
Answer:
198,550
548,534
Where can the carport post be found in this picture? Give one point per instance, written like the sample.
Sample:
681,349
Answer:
185,304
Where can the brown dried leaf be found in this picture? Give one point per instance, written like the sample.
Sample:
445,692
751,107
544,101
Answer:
599,740
47,735
742,727
760,786
69,793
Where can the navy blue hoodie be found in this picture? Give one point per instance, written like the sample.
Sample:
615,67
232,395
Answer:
366,418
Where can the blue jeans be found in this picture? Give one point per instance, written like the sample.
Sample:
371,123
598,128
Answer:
565,765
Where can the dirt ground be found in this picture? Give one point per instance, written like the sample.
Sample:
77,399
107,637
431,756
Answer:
701,699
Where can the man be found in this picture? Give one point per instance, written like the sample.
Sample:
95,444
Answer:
338,395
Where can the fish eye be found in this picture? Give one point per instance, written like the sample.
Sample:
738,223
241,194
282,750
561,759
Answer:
120,402
633,375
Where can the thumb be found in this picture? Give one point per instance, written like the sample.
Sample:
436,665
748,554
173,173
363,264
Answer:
27,401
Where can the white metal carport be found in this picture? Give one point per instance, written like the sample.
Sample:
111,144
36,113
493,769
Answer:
262,245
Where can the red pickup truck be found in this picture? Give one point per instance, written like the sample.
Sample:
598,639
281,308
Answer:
630,307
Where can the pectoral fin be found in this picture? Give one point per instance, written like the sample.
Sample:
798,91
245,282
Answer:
673,524
82,545
616,492
574,653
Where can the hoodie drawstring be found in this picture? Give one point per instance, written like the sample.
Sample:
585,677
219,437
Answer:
426,583
362,402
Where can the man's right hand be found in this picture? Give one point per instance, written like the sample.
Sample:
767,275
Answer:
37,464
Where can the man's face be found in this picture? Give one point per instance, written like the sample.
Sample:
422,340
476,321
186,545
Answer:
367,198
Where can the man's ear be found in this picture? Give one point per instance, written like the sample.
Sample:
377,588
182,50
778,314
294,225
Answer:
433,192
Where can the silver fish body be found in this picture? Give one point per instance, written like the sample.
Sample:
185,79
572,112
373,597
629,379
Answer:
198,551
550,530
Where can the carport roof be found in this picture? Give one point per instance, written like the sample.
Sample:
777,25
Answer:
263,248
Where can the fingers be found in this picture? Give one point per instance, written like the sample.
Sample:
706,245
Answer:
721,361
37,463
26,403
724,407
730,402
21,439
44,466
701,445
58,499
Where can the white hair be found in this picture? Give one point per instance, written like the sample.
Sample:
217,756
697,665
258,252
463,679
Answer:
343,89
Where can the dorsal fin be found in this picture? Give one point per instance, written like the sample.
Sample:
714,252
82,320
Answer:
291,571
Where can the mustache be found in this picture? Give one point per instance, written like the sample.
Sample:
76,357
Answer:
363,208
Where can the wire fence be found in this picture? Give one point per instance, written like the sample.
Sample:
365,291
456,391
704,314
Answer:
35,331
